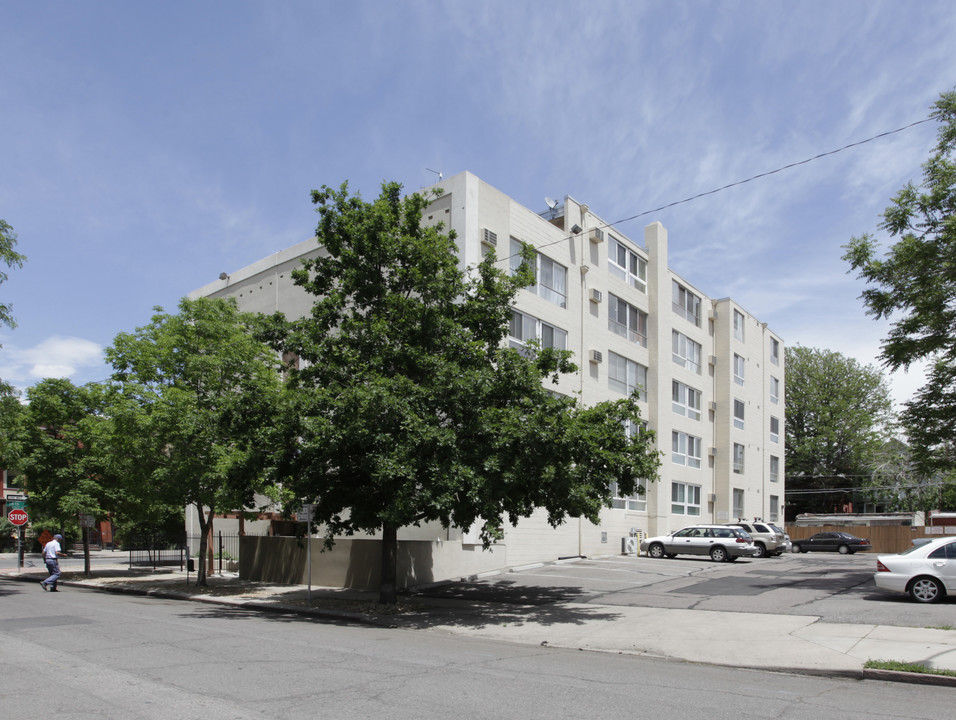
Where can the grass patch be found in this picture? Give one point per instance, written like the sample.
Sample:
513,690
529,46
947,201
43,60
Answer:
941,627
906,667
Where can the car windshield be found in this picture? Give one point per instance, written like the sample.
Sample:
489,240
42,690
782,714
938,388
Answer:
912,548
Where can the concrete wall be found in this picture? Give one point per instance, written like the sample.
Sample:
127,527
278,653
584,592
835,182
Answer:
356,563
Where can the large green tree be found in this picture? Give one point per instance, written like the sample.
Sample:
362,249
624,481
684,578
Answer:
195,393
407,407
914,287
60,454
838,417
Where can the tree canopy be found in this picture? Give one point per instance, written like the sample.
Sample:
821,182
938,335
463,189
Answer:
407,409
914,287
193,395
11,258
838,417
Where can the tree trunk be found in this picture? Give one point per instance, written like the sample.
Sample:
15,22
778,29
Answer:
203,547
86,552
387,590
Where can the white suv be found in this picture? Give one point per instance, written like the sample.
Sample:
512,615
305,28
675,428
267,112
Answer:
721,542
769,539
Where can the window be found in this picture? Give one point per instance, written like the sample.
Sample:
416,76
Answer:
738,461
523,328
738,414
738,325
686,352
626,265
774,351
774,429
626,320
686,304
685,499
551,277
686,400
774,390
774,508
685,449
637,501
738,503
774,468
738,369
625,376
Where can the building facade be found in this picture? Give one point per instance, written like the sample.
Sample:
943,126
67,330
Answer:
710,374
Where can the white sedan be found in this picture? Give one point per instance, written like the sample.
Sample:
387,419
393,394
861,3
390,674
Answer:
927,571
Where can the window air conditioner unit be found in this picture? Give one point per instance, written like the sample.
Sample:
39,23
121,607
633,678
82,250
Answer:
595,296
713,406
712,452
596,356
489,238
712,497
597,235
712,360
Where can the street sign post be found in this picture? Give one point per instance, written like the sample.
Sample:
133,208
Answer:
305,515
18,517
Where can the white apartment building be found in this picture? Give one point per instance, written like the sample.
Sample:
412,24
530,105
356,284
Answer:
711,374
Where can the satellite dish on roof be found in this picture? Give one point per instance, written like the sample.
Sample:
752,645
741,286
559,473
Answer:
551,203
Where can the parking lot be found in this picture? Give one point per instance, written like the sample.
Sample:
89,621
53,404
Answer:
836,588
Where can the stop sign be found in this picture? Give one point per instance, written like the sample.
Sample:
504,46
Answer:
18,517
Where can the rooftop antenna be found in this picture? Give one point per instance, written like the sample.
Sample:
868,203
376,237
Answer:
436,172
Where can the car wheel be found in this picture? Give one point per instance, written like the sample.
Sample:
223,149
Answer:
843,549
795,548
926,590
656,551
718,554
761,550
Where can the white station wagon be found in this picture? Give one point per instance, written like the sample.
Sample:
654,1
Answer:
721,542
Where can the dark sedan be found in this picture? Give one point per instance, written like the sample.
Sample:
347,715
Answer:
840,542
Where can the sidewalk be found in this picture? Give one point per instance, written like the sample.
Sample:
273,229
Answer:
784,643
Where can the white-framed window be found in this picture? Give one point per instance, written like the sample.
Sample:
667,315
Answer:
626,264
626,320
774,508
738,461
551,278
685,400
637,501
524,327
774,468
739,364
686,304
625,376
774,351
774,429
685,499
774,390
739,503
686,352
738,414
738,325
685,449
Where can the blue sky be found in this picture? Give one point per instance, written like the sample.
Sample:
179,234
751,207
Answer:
147,147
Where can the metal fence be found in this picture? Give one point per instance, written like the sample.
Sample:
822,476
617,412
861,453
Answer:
159,552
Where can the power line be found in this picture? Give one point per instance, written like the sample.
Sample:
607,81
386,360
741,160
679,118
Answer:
747,180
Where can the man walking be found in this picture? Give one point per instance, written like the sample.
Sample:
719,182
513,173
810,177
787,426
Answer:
51,551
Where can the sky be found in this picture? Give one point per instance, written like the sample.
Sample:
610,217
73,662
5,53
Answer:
147,147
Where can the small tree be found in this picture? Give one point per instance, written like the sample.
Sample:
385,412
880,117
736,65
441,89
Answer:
839,415
195,393
914,286
408,410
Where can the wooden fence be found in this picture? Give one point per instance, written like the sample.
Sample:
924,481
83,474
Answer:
884,538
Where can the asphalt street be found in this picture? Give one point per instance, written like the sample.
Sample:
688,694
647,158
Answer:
836,588
82,654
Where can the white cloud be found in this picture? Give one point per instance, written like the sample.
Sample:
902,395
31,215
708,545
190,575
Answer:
54,357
